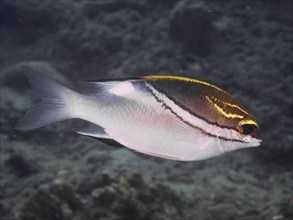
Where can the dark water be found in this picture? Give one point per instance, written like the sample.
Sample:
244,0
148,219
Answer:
244,47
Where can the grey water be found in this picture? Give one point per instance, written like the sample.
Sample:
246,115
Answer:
52,173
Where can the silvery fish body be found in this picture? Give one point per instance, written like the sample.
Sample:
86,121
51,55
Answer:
170,117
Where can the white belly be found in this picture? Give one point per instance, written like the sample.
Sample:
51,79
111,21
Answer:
147,127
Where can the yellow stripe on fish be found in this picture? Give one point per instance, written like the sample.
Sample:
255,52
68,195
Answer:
222,111
181,78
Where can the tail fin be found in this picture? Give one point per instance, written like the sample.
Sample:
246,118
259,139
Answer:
54,105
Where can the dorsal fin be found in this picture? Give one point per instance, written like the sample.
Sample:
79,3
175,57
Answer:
103,86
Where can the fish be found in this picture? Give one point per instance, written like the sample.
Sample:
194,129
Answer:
170,117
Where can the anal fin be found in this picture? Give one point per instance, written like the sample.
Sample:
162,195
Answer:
94,131
98,132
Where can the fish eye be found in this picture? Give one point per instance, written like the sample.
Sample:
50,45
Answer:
246,129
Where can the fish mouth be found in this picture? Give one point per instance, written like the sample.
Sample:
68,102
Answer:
251,141
255,143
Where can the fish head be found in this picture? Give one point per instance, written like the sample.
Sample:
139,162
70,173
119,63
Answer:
248,130
245,134
229,121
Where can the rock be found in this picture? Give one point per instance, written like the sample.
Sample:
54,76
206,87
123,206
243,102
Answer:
170,208
42,206
135,180
133,198
20,166
68,195
125,189
4,211
145,196
57,201
94,214
62,177
105,179
104,196
191,25
127,208
62,189
92,183
287,209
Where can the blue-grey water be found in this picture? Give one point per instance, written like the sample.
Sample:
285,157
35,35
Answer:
244,47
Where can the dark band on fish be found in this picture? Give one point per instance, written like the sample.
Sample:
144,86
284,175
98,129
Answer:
192,112
165,106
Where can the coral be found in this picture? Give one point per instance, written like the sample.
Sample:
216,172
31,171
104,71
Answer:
129,197
43,206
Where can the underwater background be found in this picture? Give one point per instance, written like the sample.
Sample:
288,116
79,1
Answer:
244,47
